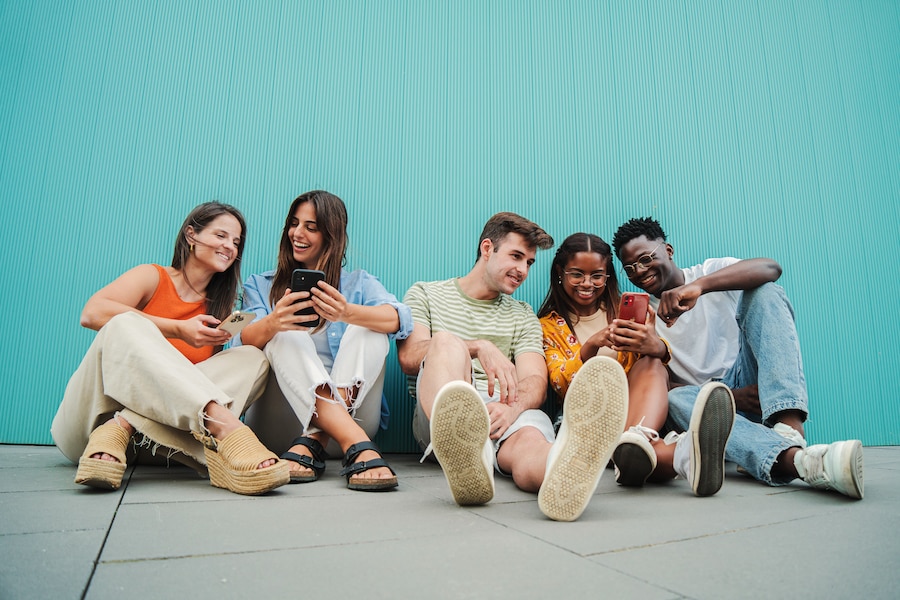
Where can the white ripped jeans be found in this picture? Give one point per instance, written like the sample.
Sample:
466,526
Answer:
287,407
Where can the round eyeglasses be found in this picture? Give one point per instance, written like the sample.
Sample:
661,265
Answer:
598,278
644,262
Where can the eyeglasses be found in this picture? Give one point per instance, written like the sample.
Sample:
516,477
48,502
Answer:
598,278
644,261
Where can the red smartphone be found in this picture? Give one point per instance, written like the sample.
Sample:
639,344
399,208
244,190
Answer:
633,307
303,280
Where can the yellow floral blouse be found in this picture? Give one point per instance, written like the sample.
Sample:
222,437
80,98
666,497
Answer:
563,353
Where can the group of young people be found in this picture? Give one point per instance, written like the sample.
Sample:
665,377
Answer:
715,366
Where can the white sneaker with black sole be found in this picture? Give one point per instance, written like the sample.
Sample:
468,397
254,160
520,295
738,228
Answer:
634,456
460,438
700,451
594,412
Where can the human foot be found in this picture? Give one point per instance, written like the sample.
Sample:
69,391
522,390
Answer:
220,422
306,459
362,457
235,462
121,422
102,465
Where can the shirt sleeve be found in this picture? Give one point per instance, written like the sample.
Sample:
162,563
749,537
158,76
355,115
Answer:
255,300
561,351
417,301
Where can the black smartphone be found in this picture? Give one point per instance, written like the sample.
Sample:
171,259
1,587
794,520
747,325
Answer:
633,307
304,280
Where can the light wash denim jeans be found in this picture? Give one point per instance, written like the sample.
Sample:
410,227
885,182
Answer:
768,356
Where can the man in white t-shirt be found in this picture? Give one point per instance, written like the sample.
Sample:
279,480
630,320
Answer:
726,319
476,363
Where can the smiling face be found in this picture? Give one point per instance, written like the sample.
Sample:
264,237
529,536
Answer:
307,241
649,265
217,244
584,280
508,263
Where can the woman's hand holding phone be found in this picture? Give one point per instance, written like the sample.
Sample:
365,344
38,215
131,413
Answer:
286,312
201,331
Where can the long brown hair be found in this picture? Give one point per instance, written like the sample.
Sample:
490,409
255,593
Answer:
331,220
558,301
221,293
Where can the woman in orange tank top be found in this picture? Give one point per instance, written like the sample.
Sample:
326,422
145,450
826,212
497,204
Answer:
156,368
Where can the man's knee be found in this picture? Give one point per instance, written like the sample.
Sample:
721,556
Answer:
444,342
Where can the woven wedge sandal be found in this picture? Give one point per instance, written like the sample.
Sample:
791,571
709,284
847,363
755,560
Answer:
232,463
109,438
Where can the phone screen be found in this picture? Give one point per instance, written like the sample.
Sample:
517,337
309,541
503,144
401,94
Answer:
304,280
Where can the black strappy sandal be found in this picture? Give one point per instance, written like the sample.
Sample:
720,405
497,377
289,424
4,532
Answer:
315,462
352,468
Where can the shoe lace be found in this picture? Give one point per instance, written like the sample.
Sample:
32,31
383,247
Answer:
651,434
428,450
814,464
672,438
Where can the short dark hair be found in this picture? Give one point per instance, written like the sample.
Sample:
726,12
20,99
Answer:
635,228
505,223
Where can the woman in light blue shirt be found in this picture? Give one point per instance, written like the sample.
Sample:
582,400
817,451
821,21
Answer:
328,379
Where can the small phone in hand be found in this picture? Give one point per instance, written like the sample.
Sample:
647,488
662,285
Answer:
237,321
633,307
304,280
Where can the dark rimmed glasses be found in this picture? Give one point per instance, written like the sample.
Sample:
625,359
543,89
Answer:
644,261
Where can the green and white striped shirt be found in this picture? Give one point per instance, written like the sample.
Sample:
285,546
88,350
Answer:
509,324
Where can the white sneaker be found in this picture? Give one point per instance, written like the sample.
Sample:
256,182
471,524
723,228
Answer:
460,437
700,451
634,456
837,466
786,431
594,414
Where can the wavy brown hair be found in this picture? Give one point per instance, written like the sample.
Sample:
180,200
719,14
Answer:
221,293
501,224
331,220
558,301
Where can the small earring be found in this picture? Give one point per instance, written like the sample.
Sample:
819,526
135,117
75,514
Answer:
191,249
559,280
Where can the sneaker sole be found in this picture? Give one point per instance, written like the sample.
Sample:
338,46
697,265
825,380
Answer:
593,419
711,422
633,463
460,426
856,467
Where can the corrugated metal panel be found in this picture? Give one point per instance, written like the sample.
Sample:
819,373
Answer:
764,128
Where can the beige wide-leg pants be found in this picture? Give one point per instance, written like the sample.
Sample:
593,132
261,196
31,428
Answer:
132,370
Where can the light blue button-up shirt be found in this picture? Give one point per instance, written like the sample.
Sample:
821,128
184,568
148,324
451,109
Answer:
358,287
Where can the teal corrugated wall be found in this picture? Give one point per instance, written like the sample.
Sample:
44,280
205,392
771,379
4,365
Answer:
758,128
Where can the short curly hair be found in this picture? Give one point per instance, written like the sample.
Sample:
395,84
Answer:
634,228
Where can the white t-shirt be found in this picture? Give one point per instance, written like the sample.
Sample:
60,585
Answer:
704,340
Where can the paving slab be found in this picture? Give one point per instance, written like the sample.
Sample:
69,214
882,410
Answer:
167,530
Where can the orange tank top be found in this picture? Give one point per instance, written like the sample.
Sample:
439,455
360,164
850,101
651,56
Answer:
166,303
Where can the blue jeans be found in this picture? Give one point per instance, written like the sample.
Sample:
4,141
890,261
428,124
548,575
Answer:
768,356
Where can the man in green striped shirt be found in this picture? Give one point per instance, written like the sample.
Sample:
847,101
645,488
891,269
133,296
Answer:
476,367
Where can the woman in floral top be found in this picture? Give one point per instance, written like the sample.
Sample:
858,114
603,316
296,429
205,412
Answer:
578,318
